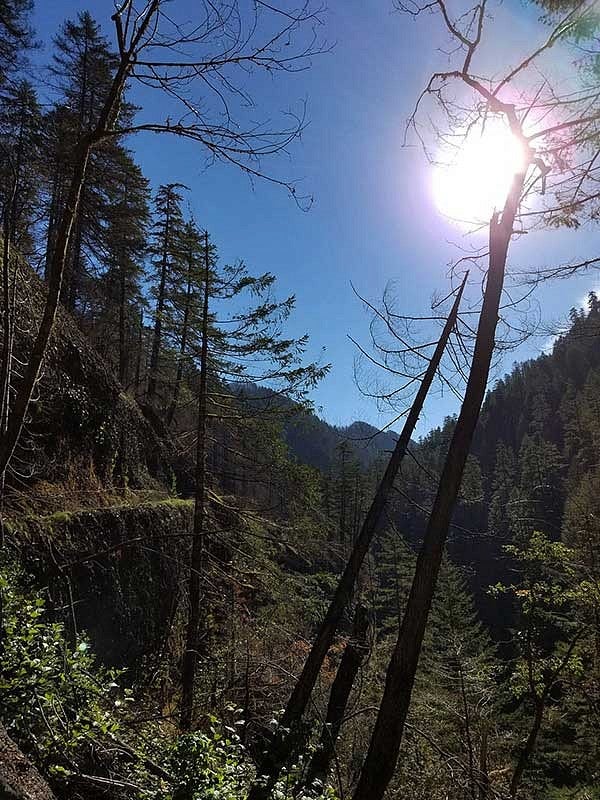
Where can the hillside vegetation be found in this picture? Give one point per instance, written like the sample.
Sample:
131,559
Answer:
207,592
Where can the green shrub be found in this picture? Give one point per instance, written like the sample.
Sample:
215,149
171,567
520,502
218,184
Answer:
54,699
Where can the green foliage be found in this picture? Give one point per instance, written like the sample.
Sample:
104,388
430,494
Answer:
54,698
63,708
205,766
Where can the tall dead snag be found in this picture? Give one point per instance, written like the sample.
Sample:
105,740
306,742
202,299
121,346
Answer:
282,745
350,663
384,747
8,323
190,657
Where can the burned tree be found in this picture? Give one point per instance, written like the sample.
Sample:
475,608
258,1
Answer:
543,169
285,740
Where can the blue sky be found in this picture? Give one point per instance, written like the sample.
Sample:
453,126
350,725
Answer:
373,218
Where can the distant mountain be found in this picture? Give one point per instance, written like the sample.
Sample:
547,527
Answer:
315,442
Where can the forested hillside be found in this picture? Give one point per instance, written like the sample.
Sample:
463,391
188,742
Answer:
207,591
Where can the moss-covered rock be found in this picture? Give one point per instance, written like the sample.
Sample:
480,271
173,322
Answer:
116,573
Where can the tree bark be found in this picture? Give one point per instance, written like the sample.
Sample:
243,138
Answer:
123,352
19,779
160,309
282,744
382,756
182,345
190,658
528,747
351,662
484,778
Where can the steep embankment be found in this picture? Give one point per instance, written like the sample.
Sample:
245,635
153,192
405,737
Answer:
536,444
84,432
116,573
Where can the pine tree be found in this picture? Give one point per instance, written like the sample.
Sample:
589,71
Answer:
503,484
541,488
16,34
126,235
186,283
458,683
236,346
21,165
548,639
167,251
82,70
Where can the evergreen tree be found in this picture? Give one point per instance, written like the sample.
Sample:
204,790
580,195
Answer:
548,637
167,251
185,281
82,71
457,686
126,236
503,485
236,346
21,165
541,488
16,34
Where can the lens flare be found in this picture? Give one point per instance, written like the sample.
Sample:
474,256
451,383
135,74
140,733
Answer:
476,182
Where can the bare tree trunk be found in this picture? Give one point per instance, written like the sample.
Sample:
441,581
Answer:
467,727
484,778
528,747
140,353
123,352
74,279
160,310
380,762
282,744
182,344
190,658
53,213
8,323
350,663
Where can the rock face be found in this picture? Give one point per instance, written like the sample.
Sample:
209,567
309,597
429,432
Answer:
83,427
122,568
19,779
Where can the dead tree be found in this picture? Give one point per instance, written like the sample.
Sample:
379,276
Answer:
352,659
385,742
192,644
549,167
282,745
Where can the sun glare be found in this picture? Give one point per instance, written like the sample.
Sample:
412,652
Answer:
476,181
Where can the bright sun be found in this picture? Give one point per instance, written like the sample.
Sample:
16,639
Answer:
476,181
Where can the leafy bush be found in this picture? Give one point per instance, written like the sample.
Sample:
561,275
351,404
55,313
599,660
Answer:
54,698
70,714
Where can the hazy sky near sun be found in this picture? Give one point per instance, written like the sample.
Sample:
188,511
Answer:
373,219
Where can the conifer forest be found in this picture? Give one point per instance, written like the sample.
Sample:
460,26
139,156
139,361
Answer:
299,400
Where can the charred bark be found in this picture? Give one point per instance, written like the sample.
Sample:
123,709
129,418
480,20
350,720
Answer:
282,744
190,658
384,747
